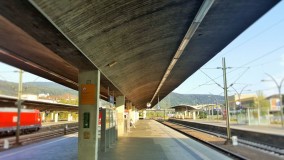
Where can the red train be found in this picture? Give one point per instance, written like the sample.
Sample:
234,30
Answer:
30,120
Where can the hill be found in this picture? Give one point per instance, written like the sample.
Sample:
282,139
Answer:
54,89
173,99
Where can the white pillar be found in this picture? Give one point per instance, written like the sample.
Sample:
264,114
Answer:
89,92
258,115
144,114
43,116
69,117
128,117
248,116
120,105
56,117
194,115
136,115
133,113
52,116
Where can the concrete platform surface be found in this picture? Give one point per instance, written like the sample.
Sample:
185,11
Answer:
56,123
150,140
268,129
61,148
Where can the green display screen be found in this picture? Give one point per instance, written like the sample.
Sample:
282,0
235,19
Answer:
86,120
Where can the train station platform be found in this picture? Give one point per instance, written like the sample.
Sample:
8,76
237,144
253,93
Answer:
268,129
149,140
57,123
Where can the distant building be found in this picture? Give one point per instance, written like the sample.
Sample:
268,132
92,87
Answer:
242,102
275,102
29,97
43,95
183,111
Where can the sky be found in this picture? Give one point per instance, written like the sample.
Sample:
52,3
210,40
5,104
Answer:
258,51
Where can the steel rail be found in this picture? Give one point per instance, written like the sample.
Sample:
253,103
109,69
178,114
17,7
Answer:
213,146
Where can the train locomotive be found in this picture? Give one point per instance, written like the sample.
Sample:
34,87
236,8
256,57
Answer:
30,120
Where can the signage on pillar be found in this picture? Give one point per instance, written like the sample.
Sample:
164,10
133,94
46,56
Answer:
88,94
275,104
87,135
100,117
111,99
86,120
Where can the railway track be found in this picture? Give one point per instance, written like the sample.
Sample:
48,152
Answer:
39,136
199,139
44,128
217,141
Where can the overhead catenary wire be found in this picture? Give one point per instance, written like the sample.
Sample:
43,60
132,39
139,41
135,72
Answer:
211,78
241,44
253,37
263,55
249,39
246,64
264,63
256,59
240,75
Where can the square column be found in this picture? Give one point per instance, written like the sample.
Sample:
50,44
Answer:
144,114
136,115
69,117
56,117
120,105
103,143
52,116
194,115
133,114
128,117
89,92
43,116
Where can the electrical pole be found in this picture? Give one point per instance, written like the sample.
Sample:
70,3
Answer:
226,102
226,98
19,104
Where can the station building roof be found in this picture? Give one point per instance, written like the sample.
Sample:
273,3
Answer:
143,49
8,101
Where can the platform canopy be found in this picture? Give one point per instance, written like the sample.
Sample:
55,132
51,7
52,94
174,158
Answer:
144,49
9,102
185,107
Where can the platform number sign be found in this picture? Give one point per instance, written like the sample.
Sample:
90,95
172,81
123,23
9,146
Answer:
88,94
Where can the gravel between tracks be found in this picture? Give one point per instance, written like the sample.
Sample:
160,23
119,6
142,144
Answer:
246,151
